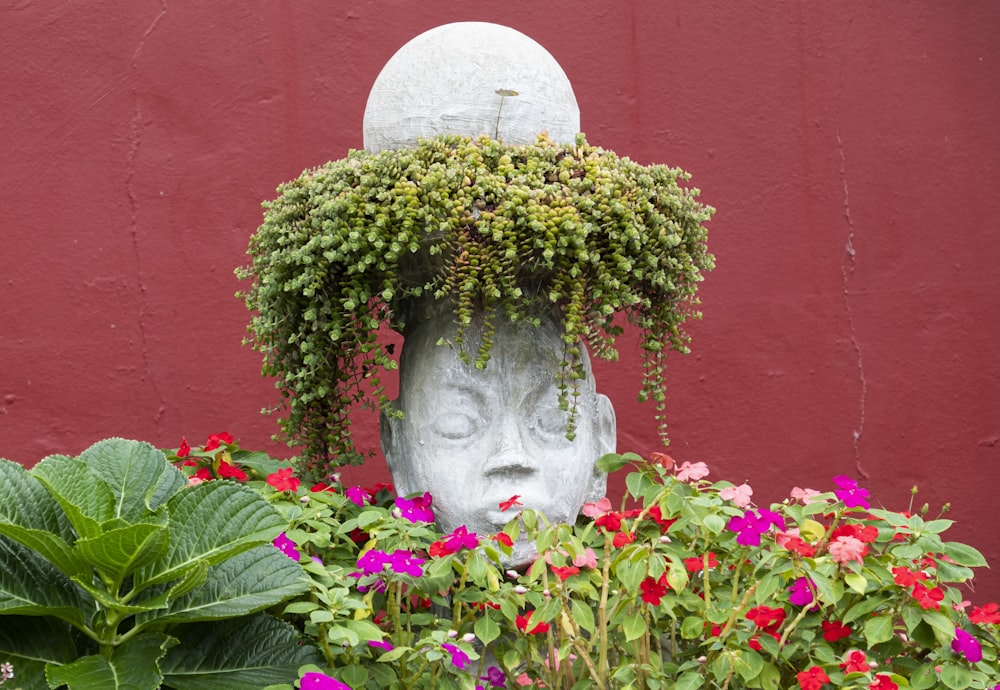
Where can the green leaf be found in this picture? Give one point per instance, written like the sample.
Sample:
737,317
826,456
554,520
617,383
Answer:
30,642
924,677
634,626
248,652
937,526
138,476
955,677
878,629
120,551
964,555
132,666
770,676
749,664
944,628
690,680
857,582
30,516
212,521
611,462
31,585
487,630
714,523
692,627
244,584
863,607
86,500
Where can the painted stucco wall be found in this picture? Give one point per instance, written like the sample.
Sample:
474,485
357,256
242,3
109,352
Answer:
851,149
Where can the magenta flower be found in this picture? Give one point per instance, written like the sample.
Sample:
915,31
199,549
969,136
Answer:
850,493
384,645
286,546
753,524
460,538
967,645
357,495
405,563
416,509
371,562
495,677
321,681
459,659
802,591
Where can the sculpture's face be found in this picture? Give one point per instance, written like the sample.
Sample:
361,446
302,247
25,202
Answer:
475,438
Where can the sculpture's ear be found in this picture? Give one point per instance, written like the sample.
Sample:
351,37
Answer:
389,427
605,441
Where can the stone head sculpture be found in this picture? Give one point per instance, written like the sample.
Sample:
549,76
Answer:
475,437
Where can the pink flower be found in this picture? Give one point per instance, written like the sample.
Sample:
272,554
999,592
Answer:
845,549
688,472
739,495
804,495
587,559
594,510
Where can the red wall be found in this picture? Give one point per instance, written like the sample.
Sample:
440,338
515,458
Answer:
851,149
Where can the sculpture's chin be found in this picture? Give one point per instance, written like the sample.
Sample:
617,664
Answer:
521,556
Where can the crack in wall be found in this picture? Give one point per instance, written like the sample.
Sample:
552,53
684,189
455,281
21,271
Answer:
135,140
847,269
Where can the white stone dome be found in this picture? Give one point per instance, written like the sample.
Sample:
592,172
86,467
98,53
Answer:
450,80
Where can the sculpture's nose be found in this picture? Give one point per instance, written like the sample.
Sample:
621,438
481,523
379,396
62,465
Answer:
509,457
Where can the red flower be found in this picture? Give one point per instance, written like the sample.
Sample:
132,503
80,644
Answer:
439,548
985,615
510,503
622,538
863,533
661,459
321,486
813,679
503,538
657,517
904,577
927,598
522,623
232,471
835,630
654,590
185,449
766,618
204,474
797,545
564,572
282,480
612,522
215,440
855,662
883,682
696,563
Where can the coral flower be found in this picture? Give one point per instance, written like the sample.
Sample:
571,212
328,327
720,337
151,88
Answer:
689,472
845,549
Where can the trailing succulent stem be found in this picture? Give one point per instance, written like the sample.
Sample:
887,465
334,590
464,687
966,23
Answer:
497,231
